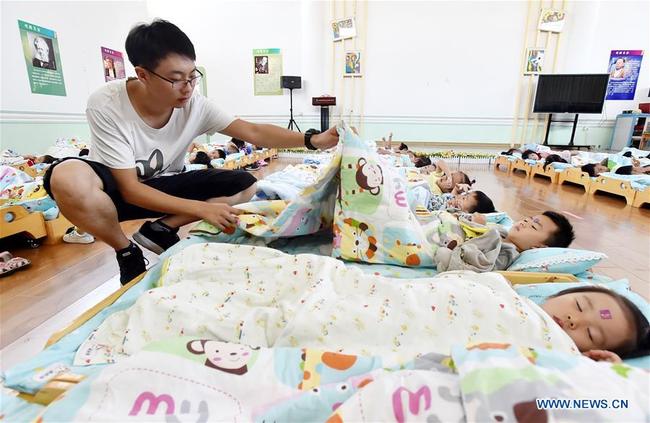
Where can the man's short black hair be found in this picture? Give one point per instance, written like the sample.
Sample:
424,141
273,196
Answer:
147,44
483,203
563,235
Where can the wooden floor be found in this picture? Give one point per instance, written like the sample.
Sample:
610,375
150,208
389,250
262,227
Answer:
62,274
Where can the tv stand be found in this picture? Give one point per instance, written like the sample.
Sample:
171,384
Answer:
571,145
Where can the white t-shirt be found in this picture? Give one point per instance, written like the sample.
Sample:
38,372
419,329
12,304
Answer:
120,139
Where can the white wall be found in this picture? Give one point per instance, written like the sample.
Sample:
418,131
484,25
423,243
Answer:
434,70
594,29
82,28
224,34
443,58
440,61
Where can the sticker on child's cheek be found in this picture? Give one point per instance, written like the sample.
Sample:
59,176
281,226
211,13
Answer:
605,314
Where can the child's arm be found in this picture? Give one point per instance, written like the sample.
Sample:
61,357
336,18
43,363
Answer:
460,188
603,355
442,166
193,146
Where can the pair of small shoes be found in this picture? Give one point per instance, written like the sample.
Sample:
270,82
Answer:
76,237
10,264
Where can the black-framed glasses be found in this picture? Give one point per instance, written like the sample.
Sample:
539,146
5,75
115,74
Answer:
180,84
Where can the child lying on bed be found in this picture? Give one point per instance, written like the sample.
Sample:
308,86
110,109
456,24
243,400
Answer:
442,180
487,248
636,167
461,199
604,325
264,297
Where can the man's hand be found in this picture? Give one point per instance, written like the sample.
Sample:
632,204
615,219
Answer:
221,215
325,140
603,355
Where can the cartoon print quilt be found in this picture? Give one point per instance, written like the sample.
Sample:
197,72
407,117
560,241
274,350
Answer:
363,201
263,297
198,379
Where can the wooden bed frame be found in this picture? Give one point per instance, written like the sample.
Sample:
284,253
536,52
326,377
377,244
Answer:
33,225
538,169
503,161
576,176
641,198
520,164
613,186
255,156
22,221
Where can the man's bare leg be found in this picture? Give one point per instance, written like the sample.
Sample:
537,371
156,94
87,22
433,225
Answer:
79,194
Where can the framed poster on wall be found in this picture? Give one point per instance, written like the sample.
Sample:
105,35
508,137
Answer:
42,58
113,64
267,71
343,29
352,63
623,71
534,61
551,20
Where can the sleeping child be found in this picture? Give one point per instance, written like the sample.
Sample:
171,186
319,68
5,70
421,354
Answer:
328,305
468,202
441,179
604,325
622,165
483,248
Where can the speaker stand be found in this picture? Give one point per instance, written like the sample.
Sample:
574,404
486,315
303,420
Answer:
292,121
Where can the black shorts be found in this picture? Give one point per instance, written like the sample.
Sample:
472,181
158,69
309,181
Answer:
194,185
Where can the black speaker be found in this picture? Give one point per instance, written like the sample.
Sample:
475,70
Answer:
291,82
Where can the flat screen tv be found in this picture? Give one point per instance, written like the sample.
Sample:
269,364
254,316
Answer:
564,93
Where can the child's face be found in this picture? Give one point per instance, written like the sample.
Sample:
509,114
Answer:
427,170
534,156
465,202
600,168
447,183
594,320
531,232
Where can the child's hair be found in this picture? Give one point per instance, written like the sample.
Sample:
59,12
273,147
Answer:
553,158
202,158
627,154
84,152
564,235
527,153
222,154
483,203
47,159
511,151
641,345
147,44
403,147
422,161
466,179
239,143
590,169
624,170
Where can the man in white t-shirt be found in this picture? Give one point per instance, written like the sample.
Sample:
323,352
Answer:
140,131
